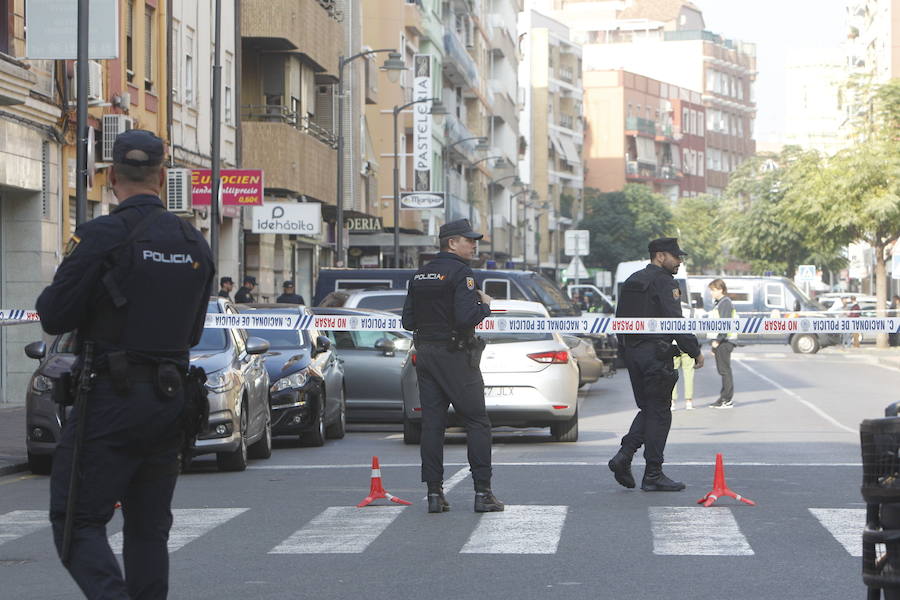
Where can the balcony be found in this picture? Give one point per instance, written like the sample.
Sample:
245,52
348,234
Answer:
666,133
501,102
412,17
639,126
456,131
280,25
667,173
503,42
635,171
458,65
296,155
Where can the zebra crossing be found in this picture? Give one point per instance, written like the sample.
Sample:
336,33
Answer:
521,529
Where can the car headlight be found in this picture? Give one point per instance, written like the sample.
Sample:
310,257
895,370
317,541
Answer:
41,384
297,380
220,381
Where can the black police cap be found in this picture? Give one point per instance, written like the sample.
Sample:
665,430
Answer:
669,245
250,279
138,148
288,283
460,227
225,280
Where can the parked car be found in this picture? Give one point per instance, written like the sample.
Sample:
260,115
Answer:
590,367
239,423
530,380
307,391
372,362
381,300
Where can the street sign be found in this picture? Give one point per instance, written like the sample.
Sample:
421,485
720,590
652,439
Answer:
575,270
806,273
578,242
52,32
288,217
603,279
421,200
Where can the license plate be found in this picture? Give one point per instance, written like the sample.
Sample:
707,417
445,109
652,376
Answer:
497,392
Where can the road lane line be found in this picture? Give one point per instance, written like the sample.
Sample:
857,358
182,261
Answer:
845,524
797,397
340,530
689,531
519,529
188,525
20,523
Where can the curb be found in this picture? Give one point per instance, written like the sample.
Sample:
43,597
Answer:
13,468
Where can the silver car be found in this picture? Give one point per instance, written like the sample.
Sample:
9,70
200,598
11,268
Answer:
530,379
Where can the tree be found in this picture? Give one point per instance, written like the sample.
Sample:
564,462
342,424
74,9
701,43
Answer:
855,195
622,223
697,222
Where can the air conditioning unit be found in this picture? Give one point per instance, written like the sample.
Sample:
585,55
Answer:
178,190
113,125
95,81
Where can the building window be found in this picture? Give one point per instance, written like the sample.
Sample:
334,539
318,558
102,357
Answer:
700,124
699,164
189,97
148,50
229,66
129,41
176,64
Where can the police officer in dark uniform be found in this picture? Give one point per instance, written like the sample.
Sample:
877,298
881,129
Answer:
652,292
135,285
289,297
442,307
243,295
226,284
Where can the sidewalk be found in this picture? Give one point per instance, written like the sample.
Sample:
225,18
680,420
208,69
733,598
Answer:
12,439
888,357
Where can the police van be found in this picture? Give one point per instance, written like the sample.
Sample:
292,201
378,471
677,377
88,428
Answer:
774,297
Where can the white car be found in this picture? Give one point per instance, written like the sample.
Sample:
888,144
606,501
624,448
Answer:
530,379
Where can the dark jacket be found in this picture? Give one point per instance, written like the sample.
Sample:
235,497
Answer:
290,299
243,296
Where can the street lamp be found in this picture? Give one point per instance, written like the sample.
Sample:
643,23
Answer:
393,65
517,182
532,195
482,145
438,111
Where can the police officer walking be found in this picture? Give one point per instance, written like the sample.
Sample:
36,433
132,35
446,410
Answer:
652,292
135,285
442,308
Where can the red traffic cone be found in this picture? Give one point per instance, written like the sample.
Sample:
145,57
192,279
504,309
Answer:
377,490
720,488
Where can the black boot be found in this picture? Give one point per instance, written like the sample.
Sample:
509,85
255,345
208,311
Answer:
620,465
436,501
485,501
657,481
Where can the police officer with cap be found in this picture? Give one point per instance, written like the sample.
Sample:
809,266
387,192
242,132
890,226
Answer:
442,308
652,292
135,285
243,295
289,297
226,284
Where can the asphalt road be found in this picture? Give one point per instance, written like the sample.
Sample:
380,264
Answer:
287,527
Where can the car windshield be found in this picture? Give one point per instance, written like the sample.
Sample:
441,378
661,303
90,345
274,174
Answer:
550,296
212,339
282,338
389,302
806,303
508,337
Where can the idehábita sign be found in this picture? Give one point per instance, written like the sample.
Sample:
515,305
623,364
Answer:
421,200
240,187
288,217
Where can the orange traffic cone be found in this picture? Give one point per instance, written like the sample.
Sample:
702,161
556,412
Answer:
720,488
377,490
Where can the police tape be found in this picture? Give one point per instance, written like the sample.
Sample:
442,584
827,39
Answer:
525,325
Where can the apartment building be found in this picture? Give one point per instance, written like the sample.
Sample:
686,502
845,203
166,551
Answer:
289,67
552,123
640,130
667,40
874,38
816,99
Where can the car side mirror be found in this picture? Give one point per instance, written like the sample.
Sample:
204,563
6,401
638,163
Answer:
386,346
257,345
36,350
323,344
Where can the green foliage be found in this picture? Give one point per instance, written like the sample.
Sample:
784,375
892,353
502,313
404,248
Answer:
697,222
622,223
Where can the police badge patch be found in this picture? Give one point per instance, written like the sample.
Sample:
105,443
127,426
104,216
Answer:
676,293
470,283
71,245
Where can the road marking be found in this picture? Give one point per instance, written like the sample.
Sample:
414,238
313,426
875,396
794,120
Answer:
557,463
519,529
20,523
797,397
689,531
845,524
340,530
188,525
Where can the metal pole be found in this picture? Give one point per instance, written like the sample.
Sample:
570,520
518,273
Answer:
81,135
339,224
490,200
444,159
510,227
216,142
396,195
